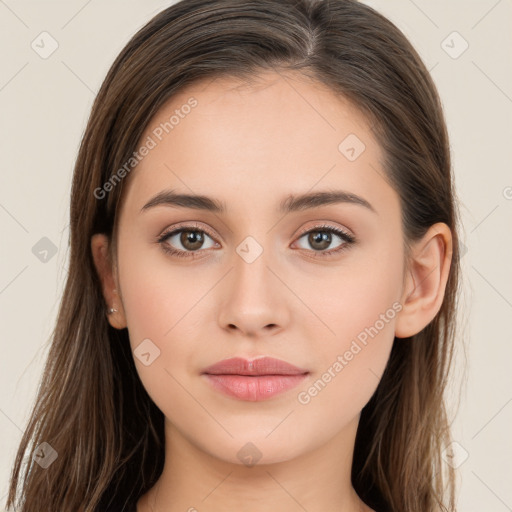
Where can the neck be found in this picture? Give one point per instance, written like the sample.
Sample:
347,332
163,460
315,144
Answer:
193,480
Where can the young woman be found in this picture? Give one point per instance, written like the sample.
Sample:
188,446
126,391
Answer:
259,310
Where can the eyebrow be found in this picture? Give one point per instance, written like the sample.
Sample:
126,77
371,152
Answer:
292,203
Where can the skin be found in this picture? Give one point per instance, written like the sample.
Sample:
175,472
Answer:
250,146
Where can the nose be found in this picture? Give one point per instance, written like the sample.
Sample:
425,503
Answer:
254,301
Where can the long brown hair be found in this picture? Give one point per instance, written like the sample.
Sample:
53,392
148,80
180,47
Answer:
91,407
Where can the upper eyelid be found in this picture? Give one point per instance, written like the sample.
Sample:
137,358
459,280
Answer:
186,227
327,226
200,227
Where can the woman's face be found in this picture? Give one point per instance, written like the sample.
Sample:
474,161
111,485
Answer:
264,275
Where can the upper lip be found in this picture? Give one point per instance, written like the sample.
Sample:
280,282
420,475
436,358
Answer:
259,366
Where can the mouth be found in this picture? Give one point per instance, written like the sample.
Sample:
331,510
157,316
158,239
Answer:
254,380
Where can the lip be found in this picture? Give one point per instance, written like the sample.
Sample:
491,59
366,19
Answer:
254,380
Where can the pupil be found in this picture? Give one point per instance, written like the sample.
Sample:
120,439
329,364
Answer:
191,240
321,237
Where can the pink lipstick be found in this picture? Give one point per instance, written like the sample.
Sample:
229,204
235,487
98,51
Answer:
254,380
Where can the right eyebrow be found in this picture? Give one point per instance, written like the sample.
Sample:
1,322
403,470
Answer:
197,202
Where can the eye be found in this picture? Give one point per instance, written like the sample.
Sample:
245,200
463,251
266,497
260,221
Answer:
189,239
321,237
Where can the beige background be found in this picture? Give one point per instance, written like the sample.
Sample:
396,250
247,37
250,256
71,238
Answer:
44,105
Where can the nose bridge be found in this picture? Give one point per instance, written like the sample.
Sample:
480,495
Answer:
253,297
250,266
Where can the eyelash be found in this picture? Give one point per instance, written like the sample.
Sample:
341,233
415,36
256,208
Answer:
346,237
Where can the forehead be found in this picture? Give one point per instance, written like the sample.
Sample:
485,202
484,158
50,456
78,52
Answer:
281,133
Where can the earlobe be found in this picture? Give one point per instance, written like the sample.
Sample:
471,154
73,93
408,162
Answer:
428,272
104,268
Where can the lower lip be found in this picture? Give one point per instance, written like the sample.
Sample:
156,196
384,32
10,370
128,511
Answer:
254,389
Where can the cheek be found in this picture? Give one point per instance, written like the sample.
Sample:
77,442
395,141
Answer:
158,296
350,365
358,307
161,306
348,301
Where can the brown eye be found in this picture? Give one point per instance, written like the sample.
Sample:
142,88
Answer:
320,238
191,240
185,241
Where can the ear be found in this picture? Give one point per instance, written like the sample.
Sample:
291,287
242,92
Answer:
108,278
425,282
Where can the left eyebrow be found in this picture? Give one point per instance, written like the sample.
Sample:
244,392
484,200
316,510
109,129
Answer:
291,203
316,199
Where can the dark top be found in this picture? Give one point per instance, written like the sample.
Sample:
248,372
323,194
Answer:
131,506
